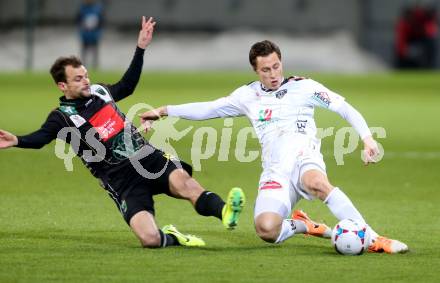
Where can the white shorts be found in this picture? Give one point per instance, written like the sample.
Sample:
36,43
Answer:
280,186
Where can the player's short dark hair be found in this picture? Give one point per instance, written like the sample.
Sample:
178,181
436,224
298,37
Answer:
262,48
58,69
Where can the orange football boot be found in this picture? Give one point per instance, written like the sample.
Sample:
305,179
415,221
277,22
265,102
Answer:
390,246
313,228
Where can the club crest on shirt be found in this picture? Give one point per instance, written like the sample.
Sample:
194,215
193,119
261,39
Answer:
280,94
69,110
322,98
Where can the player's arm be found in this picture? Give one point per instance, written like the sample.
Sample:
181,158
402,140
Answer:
229,106
190,111
357,121
130,79
47,133
325,98
222,107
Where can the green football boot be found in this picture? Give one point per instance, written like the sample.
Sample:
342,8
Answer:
233,207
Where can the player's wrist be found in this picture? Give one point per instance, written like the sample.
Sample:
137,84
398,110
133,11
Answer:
163,111
141,46
14,141
368,139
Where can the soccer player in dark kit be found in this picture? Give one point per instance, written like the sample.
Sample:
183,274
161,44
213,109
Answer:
113,150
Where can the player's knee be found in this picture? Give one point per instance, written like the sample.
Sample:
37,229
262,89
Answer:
267,231
149,239
318,185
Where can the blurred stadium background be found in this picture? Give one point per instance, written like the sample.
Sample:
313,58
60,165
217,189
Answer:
315,35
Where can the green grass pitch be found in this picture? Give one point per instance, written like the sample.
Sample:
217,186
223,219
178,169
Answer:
59,226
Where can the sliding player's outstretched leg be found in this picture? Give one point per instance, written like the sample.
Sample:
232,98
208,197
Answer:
183,239
208,203
342,208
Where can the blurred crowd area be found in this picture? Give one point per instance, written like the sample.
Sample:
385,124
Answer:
316,35
417,32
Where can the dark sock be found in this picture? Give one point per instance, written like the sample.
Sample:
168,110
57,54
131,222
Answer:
209,204
167,240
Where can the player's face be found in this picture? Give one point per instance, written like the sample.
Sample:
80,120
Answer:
270,70
77,83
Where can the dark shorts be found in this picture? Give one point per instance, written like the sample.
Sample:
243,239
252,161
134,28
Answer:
133,191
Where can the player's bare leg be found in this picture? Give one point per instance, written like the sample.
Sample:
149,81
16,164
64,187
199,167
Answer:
184,187
268,226
145,228
272,228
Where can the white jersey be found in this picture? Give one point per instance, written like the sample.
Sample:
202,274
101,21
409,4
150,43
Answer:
284,123
276,115
287,110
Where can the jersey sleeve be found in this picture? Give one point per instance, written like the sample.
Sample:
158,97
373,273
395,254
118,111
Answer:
228,106
323,97
319,95
354,118
47,133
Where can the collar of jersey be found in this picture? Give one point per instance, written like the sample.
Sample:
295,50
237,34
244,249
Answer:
263,88
78,102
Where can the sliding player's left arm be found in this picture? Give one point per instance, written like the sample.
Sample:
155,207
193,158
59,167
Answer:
325,98
357,121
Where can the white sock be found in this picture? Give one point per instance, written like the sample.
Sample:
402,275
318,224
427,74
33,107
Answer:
290,227
373,234
341,206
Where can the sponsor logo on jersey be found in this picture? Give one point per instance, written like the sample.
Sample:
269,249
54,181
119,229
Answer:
322,98
265,115
280,94
301,126
271,185
101,91
89,102
107,122
77,120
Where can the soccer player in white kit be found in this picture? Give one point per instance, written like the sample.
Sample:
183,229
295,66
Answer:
281,111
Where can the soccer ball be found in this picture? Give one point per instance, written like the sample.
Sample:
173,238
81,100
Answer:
350,237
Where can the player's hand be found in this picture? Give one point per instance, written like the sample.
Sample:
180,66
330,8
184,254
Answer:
154,114
7,139
148,117
146,32
371,150
147,125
